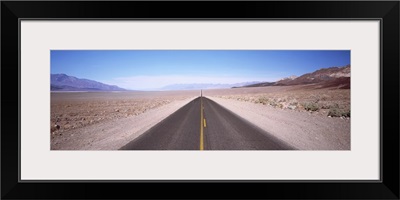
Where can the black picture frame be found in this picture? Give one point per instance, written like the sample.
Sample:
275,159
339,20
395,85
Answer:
386,11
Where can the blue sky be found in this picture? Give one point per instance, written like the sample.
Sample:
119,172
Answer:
152,69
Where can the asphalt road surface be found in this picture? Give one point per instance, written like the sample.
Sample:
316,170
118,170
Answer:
203,124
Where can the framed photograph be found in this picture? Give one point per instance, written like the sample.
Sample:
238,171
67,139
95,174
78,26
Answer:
288,96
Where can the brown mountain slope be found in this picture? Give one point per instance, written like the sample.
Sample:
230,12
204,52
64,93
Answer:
319,76
332,77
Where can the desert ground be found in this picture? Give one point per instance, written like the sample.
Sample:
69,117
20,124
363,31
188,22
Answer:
329,102
306,117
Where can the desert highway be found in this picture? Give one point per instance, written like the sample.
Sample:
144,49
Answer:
203,124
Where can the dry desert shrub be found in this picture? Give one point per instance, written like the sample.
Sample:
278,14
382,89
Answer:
336,112
311,106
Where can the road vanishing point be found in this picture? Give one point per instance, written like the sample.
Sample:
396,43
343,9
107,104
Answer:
203,124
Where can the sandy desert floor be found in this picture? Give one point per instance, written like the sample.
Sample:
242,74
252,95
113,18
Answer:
71,110
324,102
306,117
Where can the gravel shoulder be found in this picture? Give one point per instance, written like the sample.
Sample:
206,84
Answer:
302,130
115,133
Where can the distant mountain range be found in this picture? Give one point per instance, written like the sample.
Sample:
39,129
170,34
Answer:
204,86
325,77
63,82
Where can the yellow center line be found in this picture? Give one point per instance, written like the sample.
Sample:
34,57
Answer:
205,124
201,124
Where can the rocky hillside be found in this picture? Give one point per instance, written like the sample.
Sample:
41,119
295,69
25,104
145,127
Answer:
321,75
325,77
63,82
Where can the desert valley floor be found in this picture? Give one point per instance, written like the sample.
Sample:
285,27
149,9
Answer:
305,117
